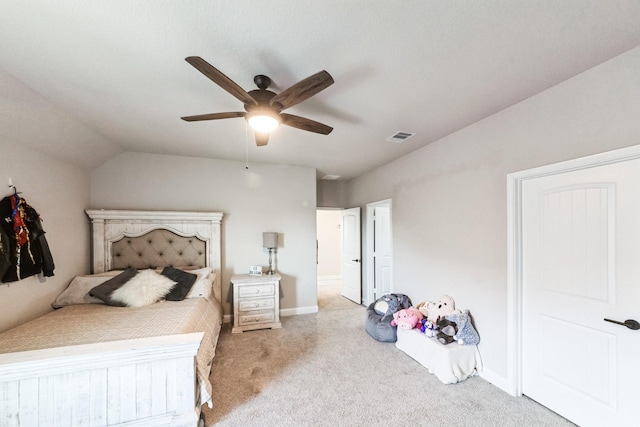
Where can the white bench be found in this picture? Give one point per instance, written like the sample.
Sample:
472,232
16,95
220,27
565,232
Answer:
450,363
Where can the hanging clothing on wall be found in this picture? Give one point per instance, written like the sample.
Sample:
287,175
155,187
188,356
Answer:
28,249
5,253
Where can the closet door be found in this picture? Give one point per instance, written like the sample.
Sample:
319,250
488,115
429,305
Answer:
581,265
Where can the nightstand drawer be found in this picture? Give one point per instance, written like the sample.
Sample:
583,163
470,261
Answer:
256,304
256,290
252,319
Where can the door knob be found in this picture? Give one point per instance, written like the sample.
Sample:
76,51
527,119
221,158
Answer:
629,323
355,260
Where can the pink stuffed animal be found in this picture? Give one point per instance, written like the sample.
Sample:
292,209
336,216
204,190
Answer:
407,318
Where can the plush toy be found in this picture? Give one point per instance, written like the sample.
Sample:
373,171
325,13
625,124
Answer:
442,308
407,318
391,303
446,331
428,328
424,307
466,333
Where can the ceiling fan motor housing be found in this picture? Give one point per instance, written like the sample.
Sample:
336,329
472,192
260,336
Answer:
263,98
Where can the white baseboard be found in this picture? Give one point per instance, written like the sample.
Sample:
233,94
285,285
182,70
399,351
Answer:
298,310
495,379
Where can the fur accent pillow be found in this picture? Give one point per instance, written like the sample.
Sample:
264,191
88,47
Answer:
145,288
104,290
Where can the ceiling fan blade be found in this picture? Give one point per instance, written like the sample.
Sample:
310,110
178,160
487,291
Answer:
302,90
262,138
213,116
220,79
305,124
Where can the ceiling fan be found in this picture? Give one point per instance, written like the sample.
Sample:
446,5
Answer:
263,108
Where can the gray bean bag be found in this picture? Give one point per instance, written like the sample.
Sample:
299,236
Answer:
380,315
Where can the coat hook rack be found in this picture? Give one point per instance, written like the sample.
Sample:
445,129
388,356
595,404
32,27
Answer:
12,186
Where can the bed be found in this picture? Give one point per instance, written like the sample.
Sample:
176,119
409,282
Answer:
92,364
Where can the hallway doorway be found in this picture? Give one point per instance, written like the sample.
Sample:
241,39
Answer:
328,235
329,263
329,295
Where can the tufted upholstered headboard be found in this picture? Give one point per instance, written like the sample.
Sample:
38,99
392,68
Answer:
152,239
158,248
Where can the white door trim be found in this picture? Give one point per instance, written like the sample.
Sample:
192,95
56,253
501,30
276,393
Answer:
369,249
514,248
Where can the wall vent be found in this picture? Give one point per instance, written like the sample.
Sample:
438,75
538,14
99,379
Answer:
399,137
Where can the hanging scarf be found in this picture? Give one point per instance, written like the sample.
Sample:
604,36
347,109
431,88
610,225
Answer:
18,216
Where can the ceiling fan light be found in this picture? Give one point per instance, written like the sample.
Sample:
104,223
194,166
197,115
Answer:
263,122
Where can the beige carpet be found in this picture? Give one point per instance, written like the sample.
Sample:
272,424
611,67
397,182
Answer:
324,370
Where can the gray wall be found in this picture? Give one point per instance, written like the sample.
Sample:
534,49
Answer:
263,198
450,198
59,192
332,194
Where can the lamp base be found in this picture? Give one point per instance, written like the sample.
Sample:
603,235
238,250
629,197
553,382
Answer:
271,270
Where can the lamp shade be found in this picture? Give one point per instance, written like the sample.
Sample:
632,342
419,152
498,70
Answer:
270,240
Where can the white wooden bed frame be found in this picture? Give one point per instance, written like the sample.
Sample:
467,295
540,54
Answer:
141,382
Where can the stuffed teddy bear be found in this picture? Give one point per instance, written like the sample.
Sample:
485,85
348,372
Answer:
466,334
442,308
407,318
446,331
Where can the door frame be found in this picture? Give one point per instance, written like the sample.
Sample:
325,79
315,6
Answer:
514,249
369,248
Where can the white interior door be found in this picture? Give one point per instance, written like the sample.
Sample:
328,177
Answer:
351,255
581,264
382,255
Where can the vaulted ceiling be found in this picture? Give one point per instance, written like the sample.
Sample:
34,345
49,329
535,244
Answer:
87,79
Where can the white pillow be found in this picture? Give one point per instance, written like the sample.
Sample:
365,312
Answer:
202,286
78,291
145,288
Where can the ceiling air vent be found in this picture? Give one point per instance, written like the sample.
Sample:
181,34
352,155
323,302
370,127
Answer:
400,137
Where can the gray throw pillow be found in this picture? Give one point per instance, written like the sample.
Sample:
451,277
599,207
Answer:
185,282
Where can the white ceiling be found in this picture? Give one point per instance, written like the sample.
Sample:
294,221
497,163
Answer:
86,79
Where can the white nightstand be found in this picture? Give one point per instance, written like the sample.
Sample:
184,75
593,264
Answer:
256,302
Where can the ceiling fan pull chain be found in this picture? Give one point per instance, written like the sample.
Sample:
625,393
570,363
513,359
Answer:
246,145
